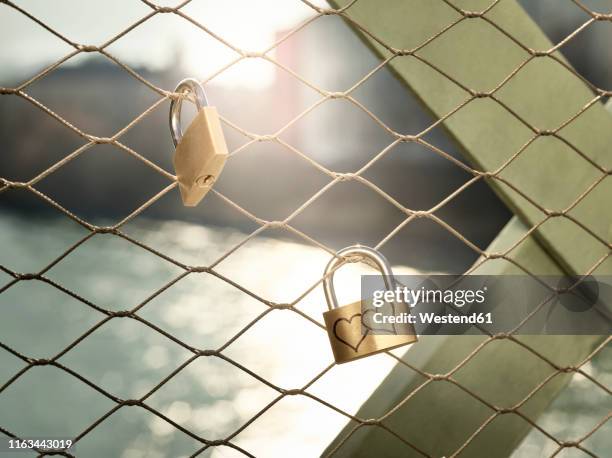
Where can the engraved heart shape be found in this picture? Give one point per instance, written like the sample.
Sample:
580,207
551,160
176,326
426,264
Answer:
348,321
375,329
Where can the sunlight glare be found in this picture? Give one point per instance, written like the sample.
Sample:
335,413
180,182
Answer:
250,26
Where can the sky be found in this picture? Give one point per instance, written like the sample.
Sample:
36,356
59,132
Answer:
158,42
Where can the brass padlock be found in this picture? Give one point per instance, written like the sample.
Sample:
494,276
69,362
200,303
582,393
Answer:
351,335
201,152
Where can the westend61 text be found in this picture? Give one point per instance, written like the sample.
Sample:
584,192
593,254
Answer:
433,318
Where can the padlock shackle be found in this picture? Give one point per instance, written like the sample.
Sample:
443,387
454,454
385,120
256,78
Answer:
363,252
187,85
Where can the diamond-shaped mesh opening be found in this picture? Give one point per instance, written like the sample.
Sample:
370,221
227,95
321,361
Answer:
588,38
42,310
547,149
244,183
102,359
296,349
203,310
283,101
587,397
557,116
102,193
37,58
143,45
442,391
319,40
310,423
516,392
82,31
155,148
212,397
342,227
580,48
445,255
94,112
76,402
362,378
507,145
486,47
198,331
32,154
443,15
137,273
169,236
420,166
260,20
136,432
340,135
260,265
384,96
21,250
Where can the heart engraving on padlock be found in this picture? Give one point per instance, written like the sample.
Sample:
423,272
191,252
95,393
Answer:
201,152
349,321
375,329
349,341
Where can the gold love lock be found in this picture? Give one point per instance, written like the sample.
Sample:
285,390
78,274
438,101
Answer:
201,151
350,328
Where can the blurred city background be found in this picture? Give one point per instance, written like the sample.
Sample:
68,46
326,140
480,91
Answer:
104,184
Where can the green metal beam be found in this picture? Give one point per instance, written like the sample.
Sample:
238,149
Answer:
542,93
440,417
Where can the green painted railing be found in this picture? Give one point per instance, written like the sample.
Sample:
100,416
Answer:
512,99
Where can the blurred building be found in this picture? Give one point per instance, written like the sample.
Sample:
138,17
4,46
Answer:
266,178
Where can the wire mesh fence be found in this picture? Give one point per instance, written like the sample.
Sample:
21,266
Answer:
409,216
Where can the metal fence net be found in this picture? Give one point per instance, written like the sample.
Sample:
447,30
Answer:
309,316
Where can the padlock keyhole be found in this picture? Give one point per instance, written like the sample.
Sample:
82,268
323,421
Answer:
205,181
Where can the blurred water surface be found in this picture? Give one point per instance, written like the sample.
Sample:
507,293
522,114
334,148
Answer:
210,396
